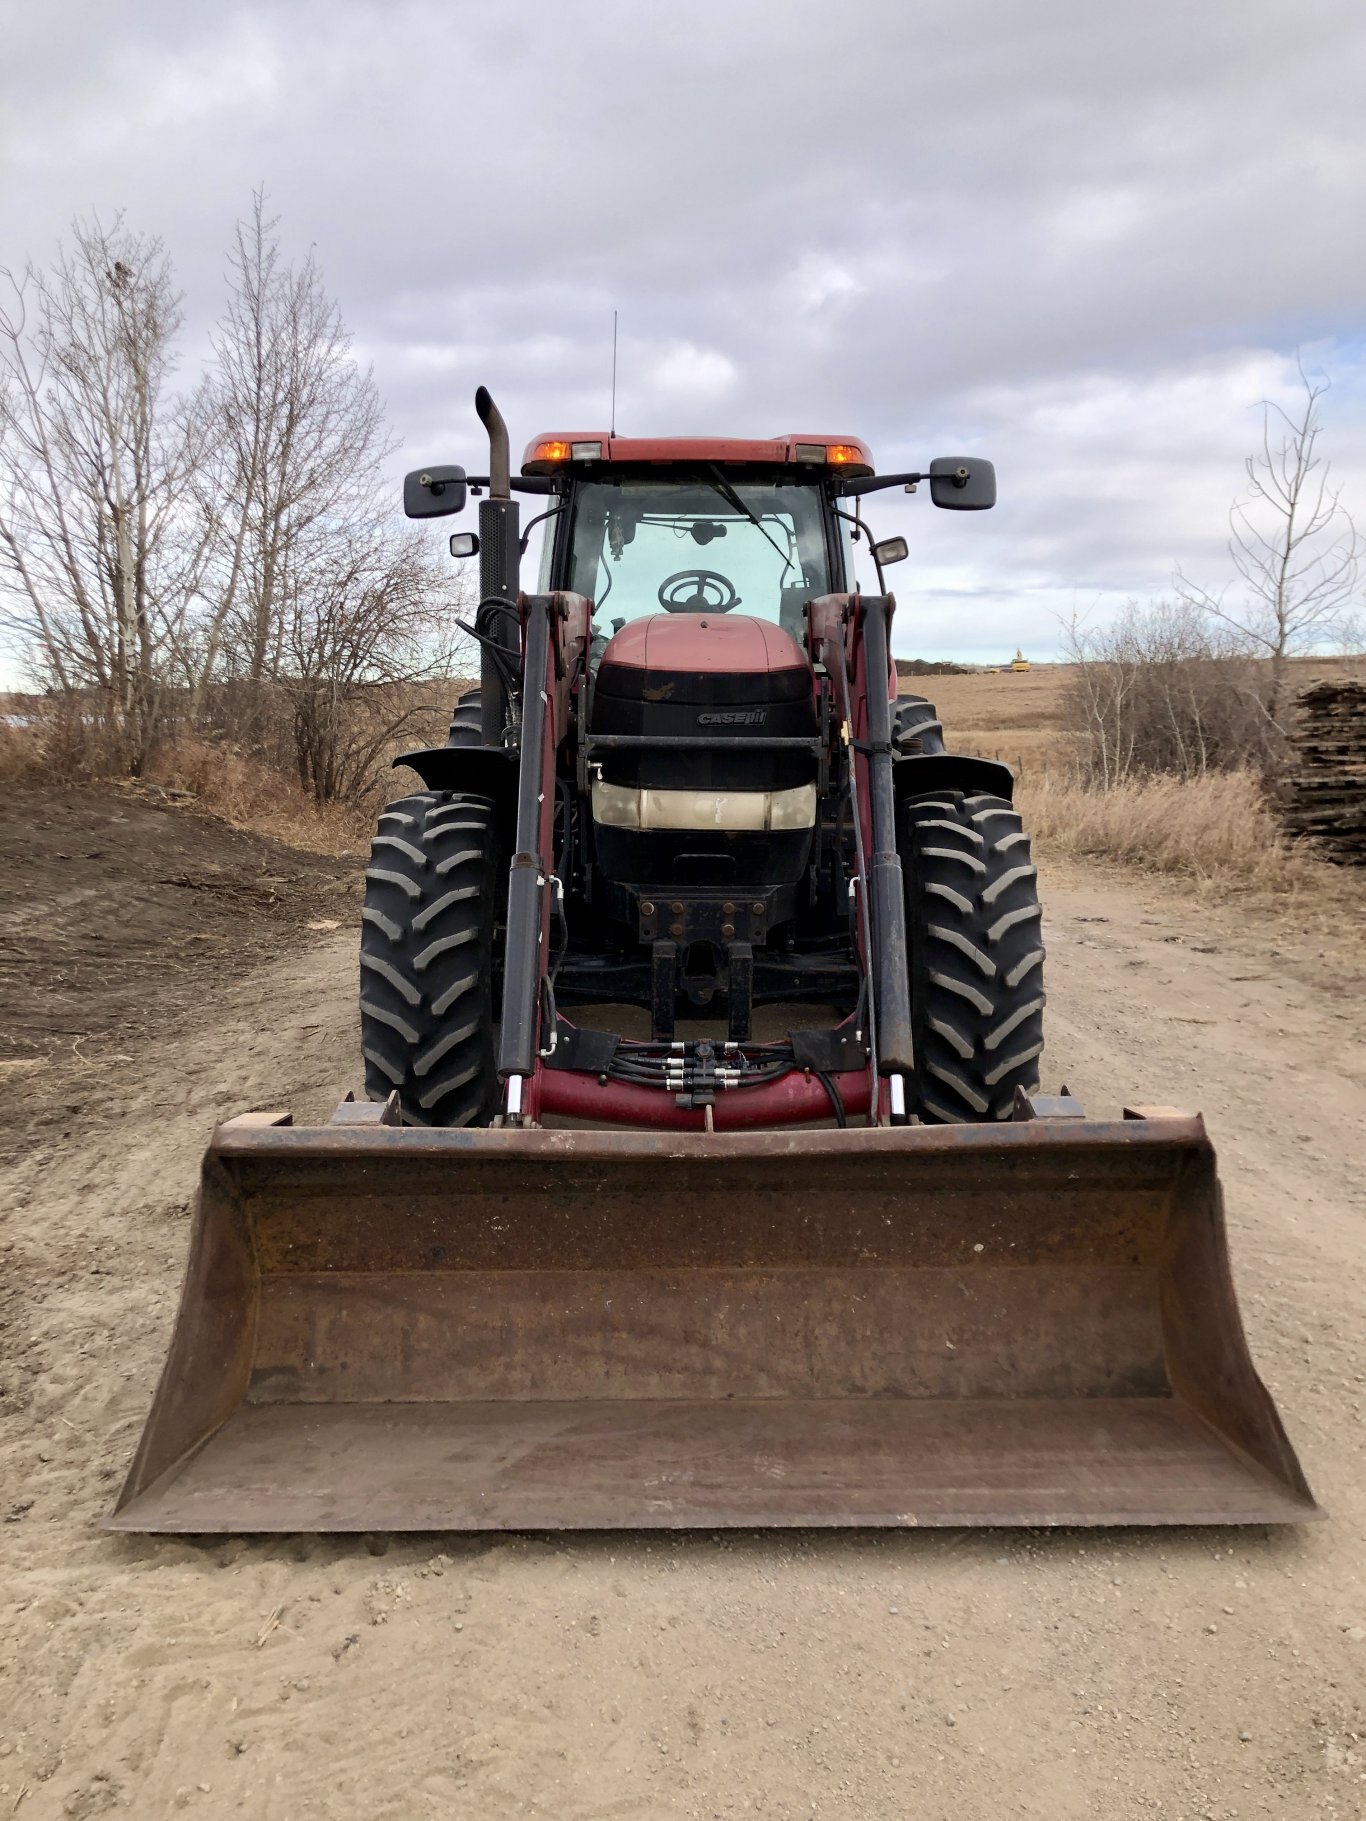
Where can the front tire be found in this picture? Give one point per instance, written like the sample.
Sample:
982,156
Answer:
426,959
973,923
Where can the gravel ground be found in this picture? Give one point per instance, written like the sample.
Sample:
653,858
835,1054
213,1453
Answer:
953,1676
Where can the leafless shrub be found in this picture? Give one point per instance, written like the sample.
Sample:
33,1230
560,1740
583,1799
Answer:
68,734
366,658
20,744
1162,691
365,633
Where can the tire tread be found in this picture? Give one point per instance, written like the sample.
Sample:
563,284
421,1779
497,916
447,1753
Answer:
427,932
973,922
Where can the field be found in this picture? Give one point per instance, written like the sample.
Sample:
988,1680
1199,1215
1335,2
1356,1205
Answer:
1016,718
160,970
1020,718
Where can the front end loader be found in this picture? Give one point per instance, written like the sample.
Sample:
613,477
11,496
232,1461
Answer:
704,1175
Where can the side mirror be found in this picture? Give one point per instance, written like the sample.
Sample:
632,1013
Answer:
890,550
962,483
434,492
464,543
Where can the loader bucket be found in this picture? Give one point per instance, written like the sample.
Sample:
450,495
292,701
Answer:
394,1329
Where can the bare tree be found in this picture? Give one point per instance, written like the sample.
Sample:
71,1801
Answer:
371,628
299,438
98,551
1294,546
1160,689
1097,700
225,553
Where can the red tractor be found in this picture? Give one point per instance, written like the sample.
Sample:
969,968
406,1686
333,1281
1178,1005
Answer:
687,785
687,877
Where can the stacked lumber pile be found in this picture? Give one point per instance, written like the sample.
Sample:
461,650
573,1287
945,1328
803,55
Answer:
1325,795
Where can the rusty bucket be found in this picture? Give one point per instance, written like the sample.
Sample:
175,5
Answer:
392,1329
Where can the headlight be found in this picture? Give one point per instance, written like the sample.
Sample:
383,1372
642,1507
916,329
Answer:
615,805
693,811
701,809
792,808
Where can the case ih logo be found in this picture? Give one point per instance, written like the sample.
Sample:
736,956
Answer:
743,717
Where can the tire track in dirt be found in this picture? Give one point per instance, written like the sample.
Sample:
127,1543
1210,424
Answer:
1214,1020
970,1675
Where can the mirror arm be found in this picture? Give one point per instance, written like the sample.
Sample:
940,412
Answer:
873,483
861,530
972,477
522,483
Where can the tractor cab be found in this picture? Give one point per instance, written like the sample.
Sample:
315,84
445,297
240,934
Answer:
642,546
695,526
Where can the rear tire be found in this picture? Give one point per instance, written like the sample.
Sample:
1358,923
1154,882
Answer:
915,725
466,724
973,922
426,959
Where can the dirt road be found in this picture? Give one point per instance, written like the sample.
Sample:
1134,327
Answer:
947,1676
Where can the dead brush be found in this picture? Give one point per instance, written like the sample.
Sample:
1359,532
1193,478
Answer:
1217,830
58,736
248,794
21,754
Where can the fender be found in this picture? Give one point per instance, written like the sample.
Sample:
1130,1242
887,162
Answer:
480,771
920,774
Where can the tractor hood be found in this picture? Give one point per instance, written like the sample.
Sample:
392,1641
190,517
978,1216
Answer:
716,690
717,774
711,659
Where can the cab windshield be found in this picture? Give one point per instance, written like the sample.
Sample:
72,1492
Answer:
698,546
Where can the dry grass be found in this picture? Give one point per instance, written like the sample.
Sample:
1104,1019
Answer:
1216,830
20,752
248,795
990,703
221,781
41,736
1015,718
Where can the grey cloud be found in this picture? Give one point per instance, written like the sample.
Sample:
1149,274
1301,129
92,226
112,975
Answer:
938,227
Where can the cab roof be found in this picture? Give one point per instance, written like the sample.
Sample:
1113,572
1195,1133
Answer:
584,450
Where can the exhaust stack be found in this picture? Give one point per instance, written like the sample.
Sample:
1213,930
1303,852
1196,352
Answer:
500,459
499,562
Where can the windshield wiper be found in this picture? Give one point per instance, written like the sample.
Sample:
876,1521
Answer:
719,484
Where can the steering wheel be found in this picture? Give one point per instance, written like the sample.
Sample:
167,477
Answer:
708,592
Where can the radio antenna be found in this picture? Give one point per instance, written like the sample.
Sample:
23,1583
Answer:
613,430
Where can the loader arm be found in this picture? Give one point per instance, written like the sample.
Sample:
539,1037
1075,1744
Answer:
532,882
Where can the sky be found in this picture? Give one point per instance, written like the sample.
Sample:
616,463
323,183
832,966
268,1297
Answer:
1084,239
